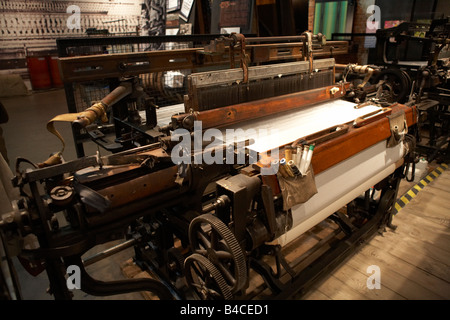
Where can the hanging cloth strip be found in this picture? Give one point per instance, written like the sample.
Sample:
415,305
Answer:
85,118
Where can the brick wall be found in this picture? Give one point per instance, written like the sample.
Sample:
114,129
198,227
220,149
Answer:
311,7
359,26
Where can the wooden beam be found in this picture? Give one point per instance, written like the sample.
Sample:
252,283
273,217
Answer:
221,117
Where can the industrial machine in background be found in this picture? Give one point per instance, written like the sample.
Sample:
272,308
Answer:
411,66
217,197
414,58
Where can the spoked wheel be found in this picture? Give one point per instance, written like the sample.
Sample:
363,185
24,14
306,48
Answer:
385,206
211,238
395,85
204,278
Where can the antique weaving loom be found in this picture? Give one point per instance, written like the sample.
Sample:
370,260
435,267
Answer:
208,229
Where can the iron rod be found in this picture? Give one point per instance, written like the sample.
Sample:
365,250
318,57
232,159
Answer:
109,252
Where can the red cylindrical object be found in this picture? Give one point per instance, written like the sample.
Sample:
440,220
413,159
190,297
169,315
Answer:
39,73
54,71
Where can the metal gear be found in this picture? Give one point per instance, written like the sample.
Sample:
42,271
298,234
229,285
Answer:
174,264
204,278
211,238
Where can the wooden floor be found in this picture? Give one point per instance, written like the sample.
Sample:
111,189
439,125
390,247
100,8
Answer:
413,260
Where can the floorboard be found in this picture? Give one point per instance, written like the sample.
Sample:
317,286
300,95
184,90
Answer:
414,260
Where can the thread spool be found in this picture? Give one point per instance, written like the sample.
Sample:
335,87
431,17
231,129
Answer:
281,170
289,171
294,168
288,154
304,159
285,168
299,157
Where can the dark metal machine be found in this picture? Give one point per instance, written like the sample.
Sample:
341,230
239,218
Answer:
208,229
414,66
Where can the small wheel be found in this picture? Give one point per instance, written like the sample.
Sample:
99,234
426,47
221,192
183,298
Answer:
174,264
211,238
204,278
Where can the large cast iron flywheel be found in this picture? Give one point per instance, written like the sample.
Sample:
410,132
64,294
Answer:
211,238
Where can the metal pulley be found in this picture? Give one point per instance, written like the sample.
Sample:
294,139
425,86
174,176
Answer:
61,195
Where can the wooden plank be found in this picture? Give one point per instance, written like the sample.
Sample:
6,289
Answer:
444,187
435,193
391,279
416,246
445,175
228,115
336,289
427,215
414,260
408,270
413,254
433,212
315,294
441,181
357,280
444,179
146,294
427,230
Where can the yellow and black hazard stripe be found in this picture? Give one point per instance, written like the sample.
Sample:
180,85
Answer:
412,193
